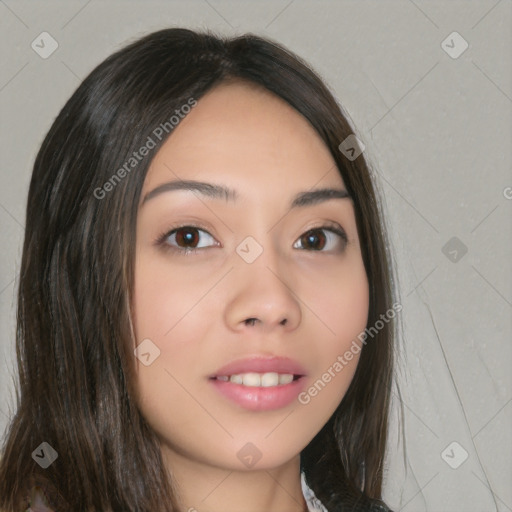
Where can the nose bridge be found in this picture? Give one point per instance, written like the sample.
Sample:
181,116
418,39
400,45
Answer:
262,289
262,256
258,249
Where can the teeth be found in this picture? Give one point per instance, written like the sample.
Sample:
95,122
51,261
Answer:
269,379
285,378
265,380
237,379
250,379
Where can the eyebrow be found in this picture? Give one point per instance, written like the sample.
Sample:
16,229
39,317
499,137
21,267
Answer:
214,191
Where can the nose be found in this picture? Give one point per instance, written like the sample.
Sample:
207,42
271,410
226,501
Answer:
262,297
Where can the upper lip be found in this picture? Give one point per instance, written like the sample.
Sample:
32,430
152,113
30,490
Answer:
261,364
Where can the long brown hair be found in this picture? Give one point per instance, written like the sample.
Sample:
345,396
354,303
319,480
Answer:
73,320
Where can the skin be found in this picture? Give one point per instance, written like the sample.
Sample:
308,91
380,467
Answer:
193,307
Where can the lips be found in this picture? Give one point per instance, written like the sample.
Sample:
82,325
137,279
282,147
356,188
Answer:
240,383
261,364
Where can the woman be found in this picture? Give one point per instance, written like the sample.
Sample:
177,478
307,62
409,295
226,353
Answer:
205,310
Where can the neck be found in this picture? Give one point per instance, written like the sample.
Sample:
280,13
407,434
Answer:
205,488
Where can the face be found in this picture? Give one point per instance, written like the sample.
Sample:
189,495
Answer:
244,300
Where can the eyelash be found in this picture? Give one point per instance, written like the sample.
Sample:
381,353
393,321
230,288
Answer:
161,241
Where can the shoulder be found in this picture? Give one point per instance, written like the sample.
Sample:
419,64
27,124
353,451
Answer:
314,504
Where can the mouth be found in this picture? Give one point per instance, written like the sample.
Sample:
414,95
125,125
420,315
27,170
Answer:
258,392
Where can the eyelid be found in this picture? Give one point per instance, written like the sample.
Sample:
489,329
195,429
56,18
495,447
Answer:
330,226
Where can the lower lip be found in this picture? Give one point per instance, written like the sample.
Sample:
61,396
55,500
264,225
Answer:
255,398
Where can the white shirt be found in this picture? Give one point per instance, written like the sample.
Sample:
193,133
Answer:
312,501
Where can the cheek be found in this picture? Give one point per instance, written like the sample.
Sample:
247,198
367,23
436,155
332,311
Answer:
162,386
169,318
340,299
343,303
162,297
163,303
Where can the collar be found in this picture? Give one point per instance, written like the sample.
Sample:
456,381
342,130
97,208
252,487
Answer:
313,503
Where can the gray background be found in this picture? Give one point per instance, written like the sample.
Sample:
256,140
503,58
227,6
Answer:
437,130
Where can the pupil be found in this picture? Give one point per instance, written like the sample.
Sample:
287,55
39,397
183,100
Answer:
186,236
315,236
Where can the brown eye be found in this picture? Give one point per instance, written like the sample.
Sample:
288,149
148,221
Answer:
326,238
314,240
188,239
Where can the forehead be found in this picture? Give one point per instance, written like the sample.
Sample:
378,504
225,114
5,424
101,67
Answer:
243,134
